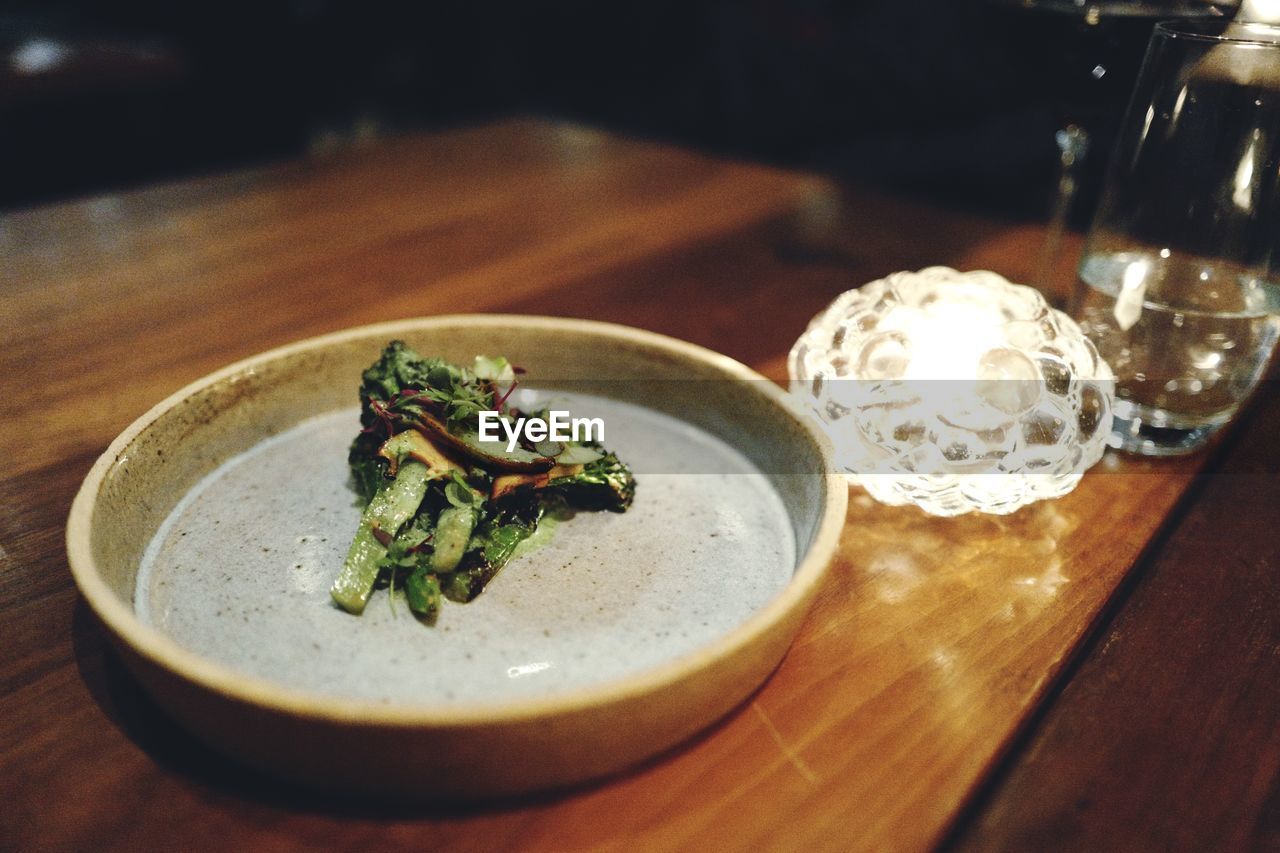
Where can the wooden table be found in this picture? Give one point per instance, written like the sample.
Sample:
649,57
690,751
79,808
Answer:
1101,671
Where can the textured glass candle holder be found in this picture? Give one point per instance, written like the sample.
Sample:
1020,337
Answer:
955,391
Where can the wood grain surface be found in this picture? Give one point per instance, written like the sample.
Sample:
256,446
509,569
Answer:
1172,724
902,715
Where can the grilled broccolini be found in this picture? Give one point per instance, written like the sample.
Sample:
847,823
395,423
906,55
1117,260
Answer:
445,511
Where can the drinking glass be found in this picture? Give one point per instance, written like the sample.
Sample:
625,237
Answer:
1177,285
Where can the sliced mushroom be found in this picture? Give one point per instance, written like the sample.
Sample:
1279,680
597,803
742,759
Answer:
508,483
415,445
526,463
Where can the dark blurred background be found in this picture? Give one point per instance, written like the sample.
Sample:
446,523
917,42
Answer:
957,99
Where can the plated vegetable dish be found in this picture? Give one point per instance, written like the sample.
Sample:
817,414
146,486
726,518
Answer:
445,509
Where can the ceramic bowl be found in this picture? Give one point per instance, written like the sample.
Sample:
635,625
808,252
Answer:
480,744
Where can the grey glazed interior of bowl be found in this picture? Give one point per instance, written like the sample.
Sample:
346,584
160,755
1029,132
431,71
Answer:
165,453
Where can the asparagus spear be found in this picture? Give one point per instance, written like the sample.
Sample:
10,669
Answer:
393,505
488,551
453,531
415,462
423,592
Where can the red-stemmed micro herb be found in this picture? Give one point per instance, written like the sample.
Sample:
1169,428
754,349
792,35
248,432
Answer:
502,401
384,417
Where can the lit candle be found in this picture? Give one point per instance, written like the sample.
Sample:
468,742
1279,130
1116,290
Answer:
955,391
